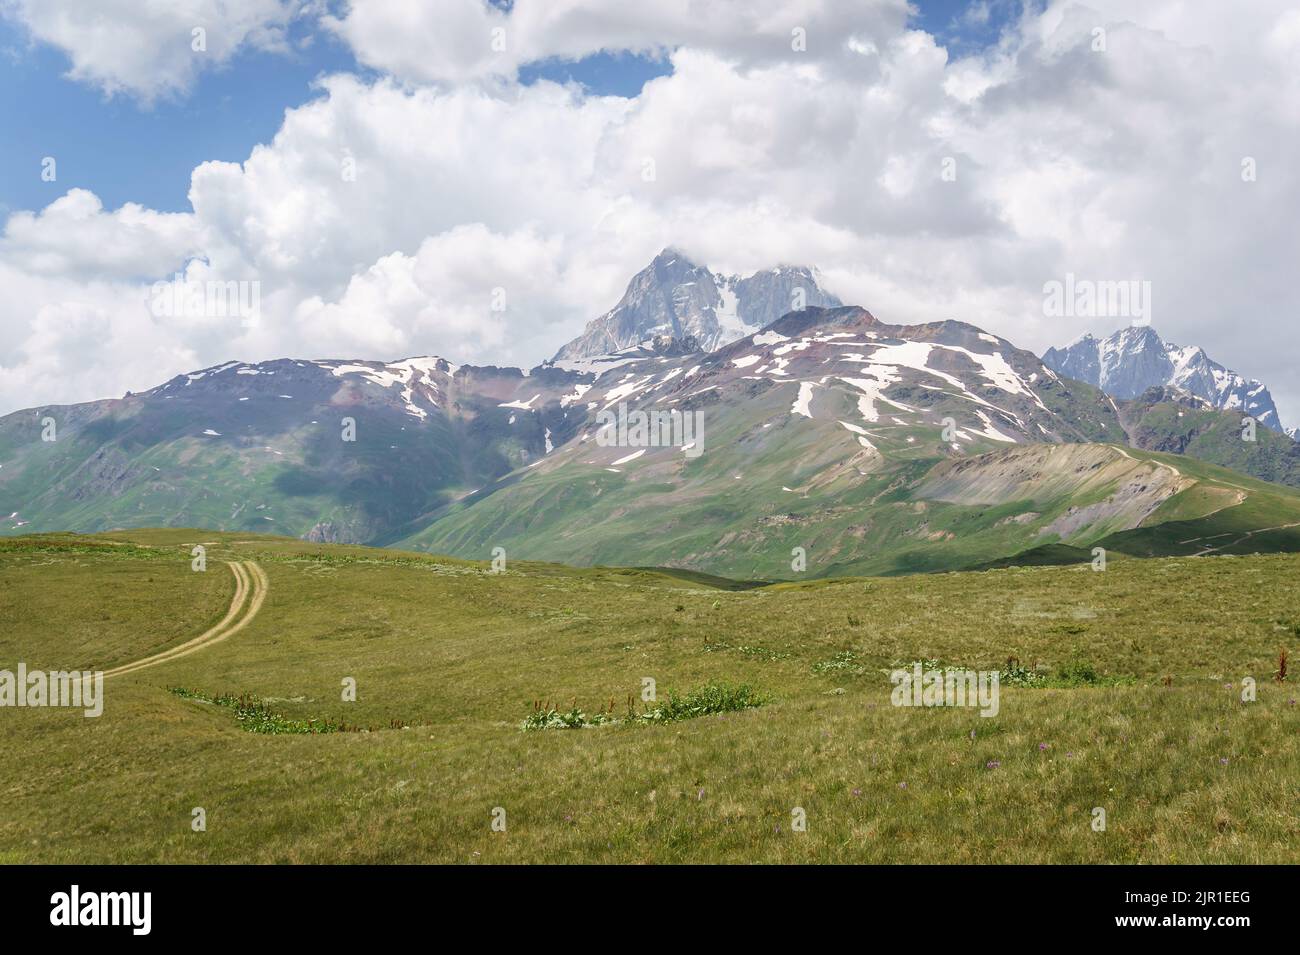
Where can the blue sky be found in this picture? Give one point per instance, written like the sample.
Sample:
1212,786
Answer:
125,151
962,26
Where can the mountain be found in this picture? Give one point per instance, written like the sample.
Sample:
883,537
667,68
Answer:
676,297
261,447
864,446
1178,422
1133,359
826,432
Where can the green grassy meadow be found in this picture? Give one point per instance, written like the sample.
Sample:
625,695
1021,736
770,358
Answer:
449,659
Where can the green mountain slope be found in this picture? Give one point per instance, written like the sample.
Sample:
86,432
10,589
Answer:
825,436
1165,419
828,443
334,451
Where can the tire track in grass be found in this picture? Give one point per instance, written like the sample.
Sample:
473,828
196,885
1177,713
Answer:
251,586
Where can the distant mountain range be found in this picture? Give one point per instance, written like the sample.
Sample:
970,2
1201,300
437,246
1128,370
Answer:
674,296
827,437
1133,359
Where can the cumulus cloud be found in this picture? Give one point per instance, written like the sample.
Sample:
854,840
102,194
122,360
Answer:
458,40
463,286
386,211
373,168
74,238
149,48
67,342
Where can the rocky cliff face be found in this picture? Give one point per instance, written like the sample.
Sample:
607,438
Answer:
676,297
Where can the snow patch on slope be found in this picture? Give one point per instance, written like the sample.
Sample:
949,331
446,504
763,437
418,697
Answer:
801,403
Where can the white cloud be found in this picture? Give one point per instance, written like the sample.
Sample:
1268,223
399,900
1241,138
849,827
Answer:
73,237
374,168
467,287
1111,165
68,342
148,47
457,40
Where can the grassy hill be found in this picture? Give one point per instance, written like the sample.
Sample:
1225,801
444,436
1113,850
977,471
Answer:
1222,513
1139,712
1162,420
879,516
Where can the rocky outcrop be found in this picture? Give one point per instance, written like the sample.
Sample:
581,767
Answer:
678,298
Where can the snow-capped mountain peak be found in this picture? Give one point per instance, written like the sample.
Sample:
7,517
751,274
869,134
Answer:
674,296
1133,359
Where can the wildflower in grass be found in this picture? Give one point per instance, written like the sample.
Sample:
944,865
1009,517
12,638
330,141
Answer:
857,792
1069,756
1223,761
1043,746
993,764
902,785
